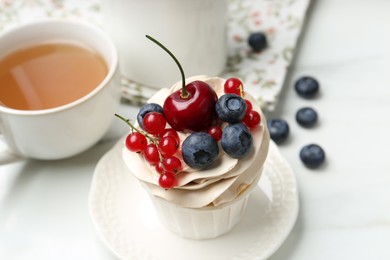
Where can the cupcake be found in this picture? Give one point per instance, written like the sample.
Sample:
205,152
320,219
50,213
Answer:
199,158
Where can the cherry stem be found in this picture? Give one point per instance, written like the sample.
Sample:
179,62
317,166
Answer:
184,93
153,140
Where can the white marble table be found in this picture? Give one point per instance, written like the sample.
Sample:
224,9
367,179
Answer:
345,205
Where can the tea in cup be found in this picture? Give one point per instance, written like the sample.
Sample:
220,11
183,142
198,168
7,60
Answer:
59,88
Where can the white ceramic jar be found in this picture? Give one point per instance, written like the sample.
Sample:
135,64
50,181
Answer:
194,31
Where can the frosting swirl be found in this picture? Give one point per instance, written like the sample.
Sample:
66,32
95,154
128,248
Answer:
225,180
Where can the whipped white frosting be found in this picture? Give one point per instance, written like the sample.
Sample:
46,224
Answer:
220,183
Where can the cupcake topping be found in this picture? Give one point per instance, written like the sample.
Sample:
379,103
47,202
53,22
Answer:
167,150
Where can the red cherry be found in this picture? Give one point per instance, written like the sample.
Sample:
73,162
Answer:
167,180
170,132
252,119
249,106
172,164
168,146
160,168
151,154
215,132
136,142
154,123
194,112
193,106
234,86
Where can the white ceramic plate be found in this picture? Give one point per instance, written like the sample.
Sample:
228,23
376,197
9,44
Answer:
126,222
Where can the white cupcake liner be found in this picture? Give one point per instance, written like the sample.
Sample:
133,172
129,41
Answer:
202,223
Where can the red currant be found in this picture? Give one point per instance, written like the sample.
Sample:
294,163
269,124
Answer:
168,146
136,142
167,180
234,86
252,119
172,164
215,132
249,106
170,132
154,123
160,168
151,154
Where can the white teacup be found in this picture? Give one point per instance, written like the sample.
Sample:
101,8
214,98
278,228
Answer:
69,129
195,31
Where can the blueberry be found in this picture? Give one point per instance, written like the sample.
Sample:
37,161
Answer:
306,116
307,87
278,130
200,150
257,41
231,108
150,107
236,140
312,155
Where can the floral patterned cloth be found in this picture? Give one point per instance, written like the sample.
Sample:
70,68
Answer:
262,73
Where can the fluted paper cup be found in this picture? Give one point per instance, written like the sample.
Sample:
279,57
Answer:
202,223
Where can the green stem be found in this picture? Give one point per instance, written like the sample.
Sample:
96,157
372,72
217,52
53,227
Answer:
184,93
128,122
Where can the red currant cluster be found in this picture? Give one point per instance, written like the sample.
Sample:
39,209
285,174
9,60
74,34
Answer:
158,145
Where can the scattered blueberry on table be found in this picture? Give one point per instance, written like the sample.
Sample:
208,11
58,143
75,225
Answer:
278,130
312,155
307,87
257,41
306,117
